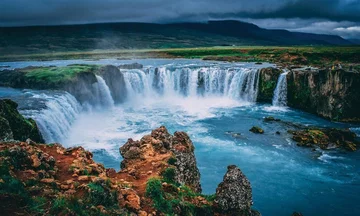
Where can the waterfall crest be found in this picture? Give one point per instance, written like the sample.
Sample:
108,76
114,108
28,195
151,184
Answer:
280,93
61,110
235,83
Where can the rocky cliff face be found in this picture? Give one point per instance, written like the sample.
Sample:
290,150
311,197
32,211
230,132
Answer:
332,94
81,87
14,126
267,84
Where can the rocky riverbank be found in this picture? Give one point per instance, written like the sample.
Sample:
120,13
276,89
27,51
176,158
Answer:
158,176
316,137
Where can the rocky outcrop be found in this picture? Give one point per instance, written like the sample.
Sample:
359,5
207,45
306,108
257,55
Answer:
162,145
234,194
68,181
115,81
332,94
257,130
14,126
267,84
159,176
326,138
81,87
187,171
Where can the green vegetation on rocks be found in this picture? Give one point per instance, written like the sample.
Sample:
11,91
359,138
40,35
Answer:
257,130
14,125
171,199
55,76
44,77
267,84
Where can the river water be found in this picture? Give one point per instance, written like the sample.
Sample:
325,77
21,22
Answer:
215,104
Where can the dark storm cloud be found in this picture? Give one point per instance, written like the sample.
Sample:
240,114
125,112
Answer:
54,12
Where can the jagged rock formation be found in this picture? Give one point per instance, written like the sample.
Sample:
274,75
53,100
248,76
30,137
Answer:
234,194
160,144
267,84
332,94
39,179
159,176
14,126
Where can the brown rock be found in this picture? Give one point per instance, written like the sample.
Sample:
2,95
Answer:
129,199
64,187
142,213
83,178
36,161
47,180
110,173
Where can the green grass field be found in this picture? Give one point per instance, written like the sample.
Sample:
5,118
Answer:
316,56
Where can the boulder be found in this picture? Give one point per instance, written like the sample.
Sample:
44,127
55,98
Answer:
257,130
234,194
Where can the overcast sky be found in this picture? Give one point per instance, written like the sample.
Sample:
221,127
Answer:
341,17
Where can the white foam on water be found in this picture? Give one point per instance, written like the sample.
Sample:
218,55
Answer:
55,121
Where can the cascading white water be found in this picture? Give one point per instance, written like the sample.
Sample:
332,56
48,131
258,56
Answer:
56,119
280,93
103,93
236,83
62,109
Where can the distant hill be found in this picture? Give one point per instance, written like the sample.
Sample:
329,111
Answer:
354,41
42,39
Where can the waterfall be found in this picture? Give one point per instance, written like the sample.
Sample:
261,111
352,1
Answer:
280,93
55,120
235,83
60,109
103,93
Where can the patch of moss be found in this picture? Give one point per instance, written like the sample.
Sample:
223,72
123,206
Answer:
54,77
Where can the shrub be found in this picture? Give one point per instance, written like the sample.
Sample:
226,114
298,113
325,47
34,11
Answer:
155,191
172,161
100,194
169,175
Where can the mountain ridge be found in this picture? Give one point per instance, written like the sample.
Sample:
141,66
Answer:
86,37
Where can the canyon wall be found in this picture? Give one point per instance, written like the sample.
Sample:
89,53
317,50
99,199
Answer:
332,94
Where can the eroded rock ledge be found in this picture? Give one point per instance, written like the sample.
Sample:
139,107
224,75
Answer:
14,126
159,176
